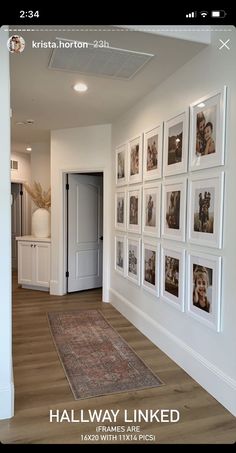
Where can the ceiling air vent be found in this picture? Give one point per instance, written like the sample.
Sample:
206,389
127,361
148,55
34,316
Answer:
97,61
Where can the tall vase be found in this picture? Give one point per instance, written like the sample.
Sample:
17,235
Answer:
41,223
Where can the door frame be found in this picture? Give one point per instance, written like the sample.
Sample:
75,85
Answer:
106,257
14,260
21,204
25,207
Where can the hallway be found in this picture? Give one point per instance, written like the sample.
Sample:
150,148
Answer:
41,384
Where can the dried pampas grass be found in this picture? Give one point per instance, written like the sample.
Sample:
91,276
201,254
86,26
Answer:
40,197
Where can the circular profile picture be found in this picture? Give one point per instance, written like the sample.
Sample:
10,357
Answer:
16,44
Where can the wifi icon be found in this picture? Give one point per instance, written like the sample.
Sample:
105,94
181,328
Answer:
203,13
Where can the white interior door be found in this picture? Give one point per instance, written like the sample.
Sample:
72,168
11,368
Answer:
16,220
85,232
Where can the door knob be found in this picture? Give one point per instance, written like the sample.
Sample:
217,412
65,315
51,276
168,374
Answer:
101,238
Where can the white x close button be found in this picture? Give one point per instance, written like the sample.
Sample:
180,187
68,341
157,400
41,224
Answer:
224,44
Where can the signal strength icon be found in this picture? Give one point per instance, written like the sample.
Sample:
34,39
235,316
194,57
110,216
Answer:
203,13
191,15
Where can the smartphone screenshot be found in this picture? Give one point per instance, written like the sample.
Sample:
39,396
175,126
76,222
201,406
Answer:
117,234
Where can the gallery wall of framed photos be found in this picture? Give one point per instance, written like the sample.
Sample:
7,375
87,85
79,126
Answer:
168,201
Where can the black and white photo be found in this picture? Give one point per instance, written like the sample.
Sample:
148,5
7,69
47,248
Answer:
135,160
205,209
152,166
207,131
176,145
120,209
120,254
134,209
152,209
133,259
150,266
204,289
173,276
174,209
121,170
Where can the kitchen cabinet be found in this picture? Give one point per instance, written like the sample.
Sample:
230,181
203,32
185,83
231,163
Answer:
34,262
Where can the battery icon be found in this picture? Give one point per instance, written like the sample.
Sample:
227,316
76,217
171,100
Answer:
219,13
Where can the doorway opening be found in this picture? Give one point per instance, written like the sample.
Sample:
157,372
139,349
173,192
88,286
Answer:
16,219
84,231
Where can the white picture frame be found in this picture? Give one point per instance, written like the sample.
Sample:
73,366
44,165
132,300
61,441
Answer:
135,159
204,289
120,254
120,209
207,131
133,260
152,209
174,209
134,209
121,165
176,145
151,266
173,276
152,154
205,210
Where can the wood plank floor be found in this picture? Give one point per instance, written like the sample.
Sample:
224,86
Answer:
41,385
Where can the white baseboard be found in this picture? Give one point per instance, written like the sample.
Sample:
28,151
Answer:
211,378
7,401
35,288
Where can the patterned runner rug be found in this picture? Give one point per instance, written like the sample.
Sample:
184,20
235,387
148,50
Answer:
96,359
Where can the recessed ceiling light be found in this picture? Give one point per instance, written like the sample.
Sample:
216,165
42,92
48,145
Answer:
24,123
201,105
80,87
28,148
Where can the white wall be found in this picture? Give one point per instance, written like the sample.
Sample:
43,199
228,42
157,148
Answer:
23,173
78,150
6,379
208,356
40,164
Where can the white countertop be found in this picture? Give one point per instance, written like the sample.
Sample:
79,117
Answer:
32,239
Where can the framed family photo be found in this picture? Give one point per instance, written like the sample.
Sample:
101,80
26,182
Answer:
135,160
150,267
121,165
173,276
133,260
120,254
207,131
174,209
152,209
120,209
204,289
134,209
176,145
206,209
152,158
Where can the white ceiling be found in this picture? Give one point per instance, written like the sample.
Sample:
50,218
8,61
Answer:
47,97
